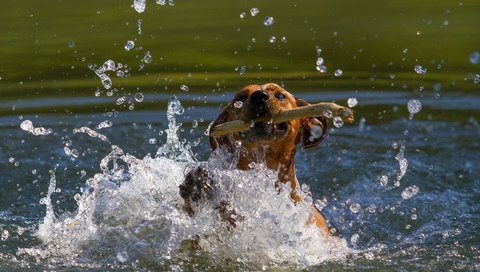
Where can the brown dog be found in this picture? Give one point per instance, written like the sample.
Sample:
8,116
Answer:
271,144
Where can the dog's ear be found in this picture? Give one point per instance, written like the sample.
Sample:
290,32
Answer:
313,130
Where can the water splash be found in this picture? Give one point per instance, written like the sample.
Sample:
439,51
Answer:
131,213
27,125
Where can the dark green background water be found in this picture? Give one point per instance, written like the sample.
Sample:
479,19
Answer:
46,48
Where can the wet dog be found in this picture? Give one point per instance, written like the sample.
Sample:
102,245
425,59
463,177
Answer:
265,142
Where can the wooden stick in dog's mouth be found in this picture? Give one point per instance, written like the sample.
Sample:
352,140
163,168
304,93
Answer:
315,110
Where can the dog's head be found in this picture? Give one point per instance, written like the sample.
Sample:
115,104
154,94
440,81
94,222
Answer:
266,101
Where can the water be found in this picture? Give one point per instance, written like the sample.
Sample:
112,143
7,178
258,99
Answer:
116,203
91,167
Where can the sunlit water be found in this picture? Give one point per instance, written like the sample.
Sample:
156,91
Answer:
400,193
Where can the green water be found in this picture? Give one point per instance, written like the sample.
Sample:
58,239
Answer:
47,45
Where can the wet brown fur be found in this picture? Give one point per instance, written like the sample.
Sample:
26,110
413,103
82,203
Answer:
276,152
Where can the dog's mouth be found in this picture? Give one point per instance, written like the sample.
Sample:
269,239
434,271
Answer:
265,131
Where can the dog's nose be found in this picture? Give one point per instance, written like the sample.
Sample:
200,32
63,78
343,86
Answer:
259,97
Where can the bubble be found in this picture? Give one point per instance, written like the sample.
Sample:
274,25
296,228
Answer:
338,122
161,2
268,21
420,69
355,208
320,61
328,114
139,97
474,57
238,104
338,72
383,180
352,102
184,88
139,5
254,11
414,106
272,39
129,45
410,192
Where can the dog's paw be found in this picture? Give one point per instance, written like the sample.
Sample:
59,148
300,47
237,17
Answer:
197,185
228,214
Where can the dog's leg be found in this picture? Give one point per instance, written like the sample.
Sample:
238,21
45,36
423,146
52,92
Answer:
196,184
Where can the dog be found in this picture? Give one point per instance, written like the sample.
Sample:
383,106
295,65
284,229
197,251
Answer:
274,145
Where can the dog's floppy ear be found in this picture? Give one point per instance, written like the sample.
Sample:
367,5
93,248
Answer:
313,130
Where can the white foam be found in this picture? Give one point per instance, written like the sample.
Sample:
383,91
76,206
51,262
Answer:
133,211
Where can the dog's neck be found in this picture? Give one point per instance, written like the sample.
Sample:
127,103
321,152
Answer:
277,159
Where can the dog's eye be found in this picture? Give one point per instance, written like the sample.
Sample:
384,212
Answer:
280,96
242,97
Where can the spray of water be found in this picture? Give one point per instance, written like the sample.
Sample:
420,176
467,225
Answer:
131,213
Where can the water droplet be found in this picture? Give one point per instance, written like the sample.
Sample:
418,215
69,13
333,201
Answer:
184,88
122,256
71,44
410,192
152,141
139,27
254,11
338,122
139,97
121,100
316,131
106,81
420,70
147,58
268,21
171,3
284,39
104,124
383,180
355,208
414,106
27,125
352,102
161,2
5,235
405,51
354,238
139,5
394,145
241,69
328,113
272,39
129,45
238,144
238,104
476,78
322,68
414,216
338,72
242,15
474,58
321,203
11,160
320,61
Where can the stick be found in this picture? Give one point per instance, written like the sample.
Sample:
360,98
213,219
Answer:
315,110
